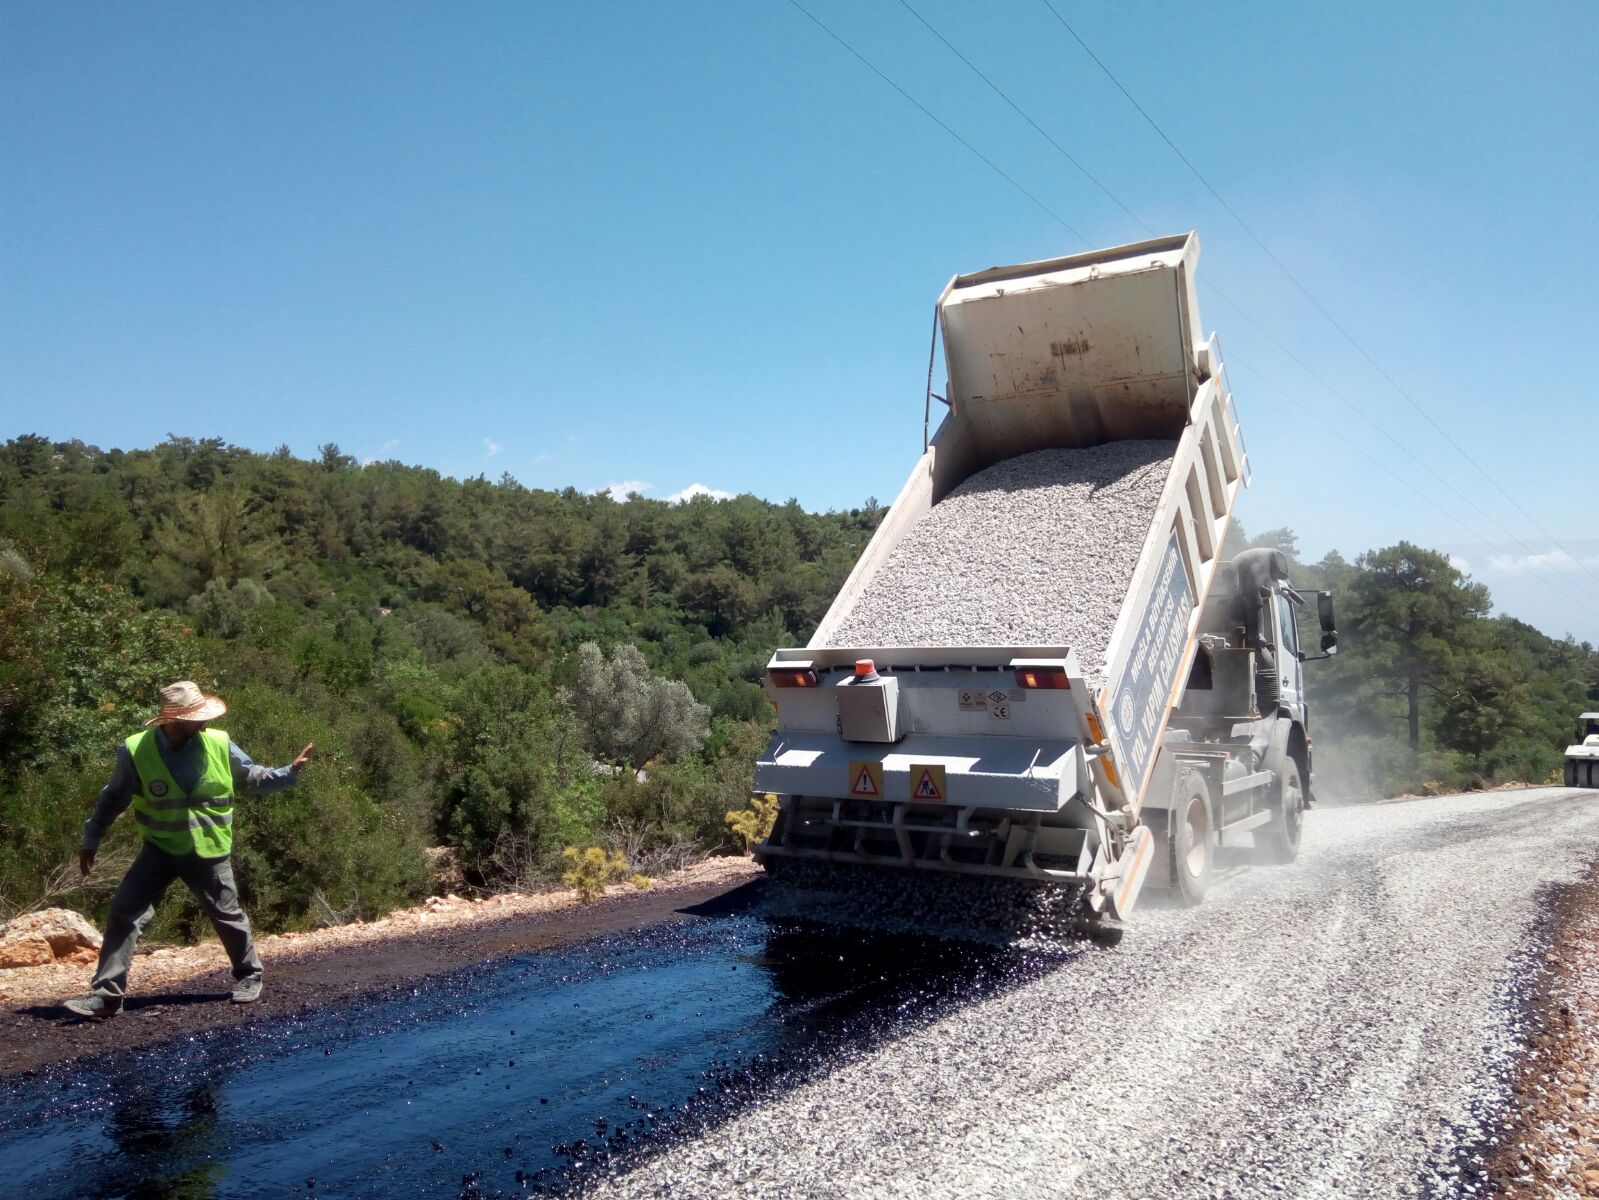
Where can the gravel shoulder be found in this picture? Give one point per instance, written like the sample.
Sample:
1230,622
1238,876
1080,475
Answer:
183,989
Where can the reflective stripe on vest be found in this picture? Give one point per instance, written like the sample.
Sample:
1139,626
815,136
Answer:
198,822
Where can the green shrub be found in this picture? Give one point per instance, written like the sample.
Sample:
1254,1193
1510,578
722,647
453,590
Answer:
753,825
591,870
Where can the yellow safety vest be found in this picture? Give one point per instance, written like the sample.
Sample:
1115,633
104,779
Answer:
198,822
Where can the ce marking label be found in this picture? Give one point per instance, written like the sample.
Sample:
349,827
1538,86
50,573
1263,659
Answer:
1000,712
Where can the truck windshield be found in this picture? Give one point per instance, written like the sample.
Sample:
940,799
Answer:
1286,625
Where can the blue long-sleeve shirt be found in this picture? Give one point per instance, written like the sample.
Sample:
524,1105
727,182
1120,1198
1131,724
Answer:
186,765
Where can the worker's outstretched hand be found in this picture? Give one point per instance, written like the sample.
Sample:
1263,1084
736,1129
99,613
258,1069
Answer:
85,862
302,758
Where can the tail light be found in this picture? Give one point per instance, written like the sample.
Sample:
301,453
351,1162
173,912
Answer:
799,675
1040,673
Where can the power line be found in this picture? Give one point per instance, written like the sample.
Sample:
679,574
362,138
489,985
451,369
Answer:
864,61
1348,403
926,112
1399,445
1042,132
1581,604
1309,411
1306,292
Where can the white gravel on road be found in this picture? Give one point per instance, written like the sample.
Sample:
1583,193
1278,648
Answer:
1035,550
1340,1027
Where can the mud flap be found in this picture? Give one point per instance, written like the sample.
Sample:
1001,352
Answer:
1137,856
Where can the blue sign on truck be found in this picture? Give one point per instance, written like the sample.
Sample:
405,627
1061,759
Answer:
1139,698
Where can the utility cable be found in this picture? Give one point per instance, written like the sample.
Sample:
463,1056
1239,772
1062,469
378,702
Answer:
920,107
1402,448
1041,131
926,112
1348,403
1581,604
1308,295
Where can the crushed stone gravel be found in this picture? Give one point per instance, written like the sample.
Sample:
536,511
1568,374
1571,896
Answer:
1036,550
1342,1027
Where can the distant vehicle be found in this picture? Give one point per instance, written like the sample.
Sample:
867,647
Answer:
1007,761
1582,759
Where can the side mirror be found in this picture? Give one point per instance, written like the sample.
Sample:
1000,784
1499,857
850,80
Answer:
1329,642
1324,611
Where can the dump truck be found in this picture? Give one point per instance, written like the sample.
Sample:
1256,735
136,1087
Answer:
1582,758
1062,680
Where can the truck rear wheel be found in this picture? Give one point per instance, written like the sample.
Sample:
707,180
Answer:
1188,843
1571,773
1280,839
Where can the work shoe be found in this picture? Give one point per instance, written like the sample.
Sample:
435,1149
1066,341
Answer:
93,1007
247,990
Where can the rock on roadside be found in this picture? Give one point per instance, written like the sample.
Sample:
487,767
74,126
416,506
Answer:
53,935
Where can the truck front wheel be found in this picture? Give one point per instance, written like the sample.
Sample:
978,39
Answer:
1188,844
1288,816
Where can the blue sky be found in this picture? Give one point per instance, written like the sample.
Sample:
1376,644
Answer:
699,243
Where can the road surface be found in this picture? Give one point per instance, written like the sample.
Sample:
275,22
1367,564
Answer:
1344,1026
1340,1027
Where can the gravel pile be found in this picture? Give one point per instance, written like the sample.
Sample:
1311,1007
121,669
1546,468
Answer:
1035,550
1343,1027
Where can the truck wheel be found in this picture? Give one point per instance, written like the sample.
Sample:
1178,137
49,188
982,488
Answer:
1188,844
1571,773
1281,838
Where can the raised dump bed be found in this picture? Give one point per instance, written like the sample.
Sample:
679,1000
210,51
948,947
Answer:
1031,599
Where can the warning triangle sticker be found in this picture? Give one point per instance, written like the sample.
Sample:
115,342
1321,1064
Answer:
864,784
927,787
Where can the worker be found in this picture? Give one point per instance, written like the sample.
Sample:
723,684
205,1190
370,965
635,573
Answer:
181,779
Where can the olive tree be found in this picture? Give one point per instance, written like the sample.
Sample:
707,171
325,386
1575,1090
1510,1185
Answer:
629,715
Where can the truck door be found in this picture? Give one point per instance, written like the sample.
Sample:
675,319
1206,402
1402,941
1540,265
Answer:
1289,668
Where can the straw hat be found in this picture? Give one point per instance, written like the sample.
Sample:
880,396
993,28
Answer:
184,701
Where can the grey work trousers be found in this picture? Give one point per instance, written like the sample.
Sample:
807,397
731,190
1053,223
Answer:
147,880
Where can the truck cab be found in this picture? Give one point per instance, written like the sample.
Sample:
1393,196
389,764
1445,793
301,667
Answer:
1236,757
